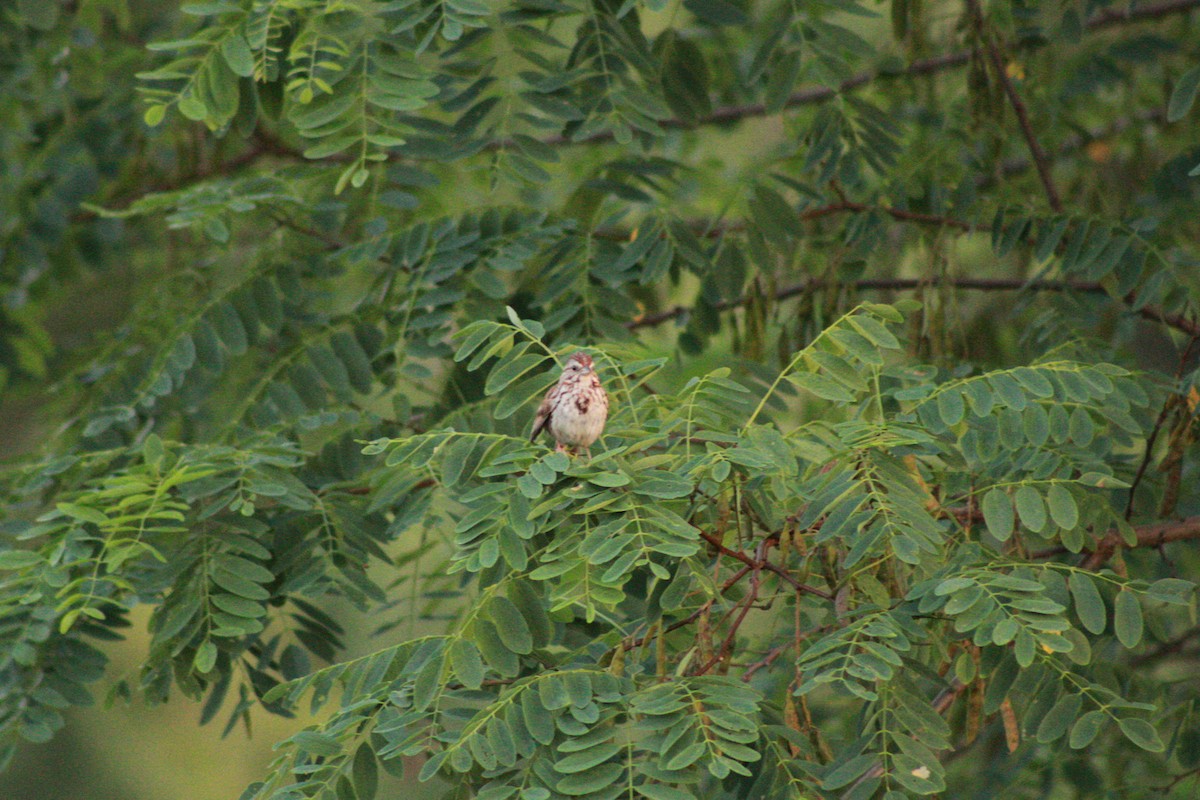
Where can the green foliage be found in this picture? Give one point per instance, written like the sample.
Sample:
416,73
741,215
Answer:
835,541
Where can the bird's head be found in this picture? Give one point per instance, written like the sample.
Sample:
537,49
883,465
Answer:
579,363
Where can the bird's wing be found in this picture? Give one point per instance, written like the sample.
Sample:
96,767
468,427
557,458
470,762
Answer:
542,418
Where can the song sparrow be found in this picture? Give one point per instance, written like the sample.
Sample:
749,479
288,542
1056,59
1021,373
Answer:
575,409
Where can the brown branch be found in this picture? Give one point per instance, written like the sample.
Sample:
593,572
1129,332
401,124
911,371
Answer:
726,646
1176,321
261,143
765,661
331,242
1154,534
630,642
1040,159
763,564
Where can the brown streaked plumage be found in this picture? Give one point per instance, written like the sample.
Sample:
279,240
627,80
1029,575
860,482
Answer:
575,409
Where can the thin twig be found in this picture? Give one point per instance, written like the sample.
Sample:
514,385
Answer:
727,645
631,643
765,661
1040,160
1168,403
764,564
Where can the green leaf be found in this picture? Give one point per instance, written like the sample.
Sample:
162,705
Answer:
365,772
781,80
1171,590
467,663
664,488
1030,508
1034,381
662,791
1062,506
509,370
354,359
472,337
532,605
609,479
822,386
998,514
1025,648
1142,734
239,606
154,115
1183,95
331,369
1089,606
538,721
1059,718
237,55
586,759
228,324
427,683
206,657
242,568
511,625
1005,631
591,780
685,757
1085,729
1127,618
20,559
529,487
850,770
317,743
950,407
83,513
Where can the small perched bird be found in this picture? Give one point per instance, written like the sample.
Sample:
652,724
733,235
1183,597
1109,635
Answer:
575,409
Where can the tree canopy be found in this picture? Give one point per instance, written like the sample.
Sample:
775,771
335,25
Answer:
896,308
